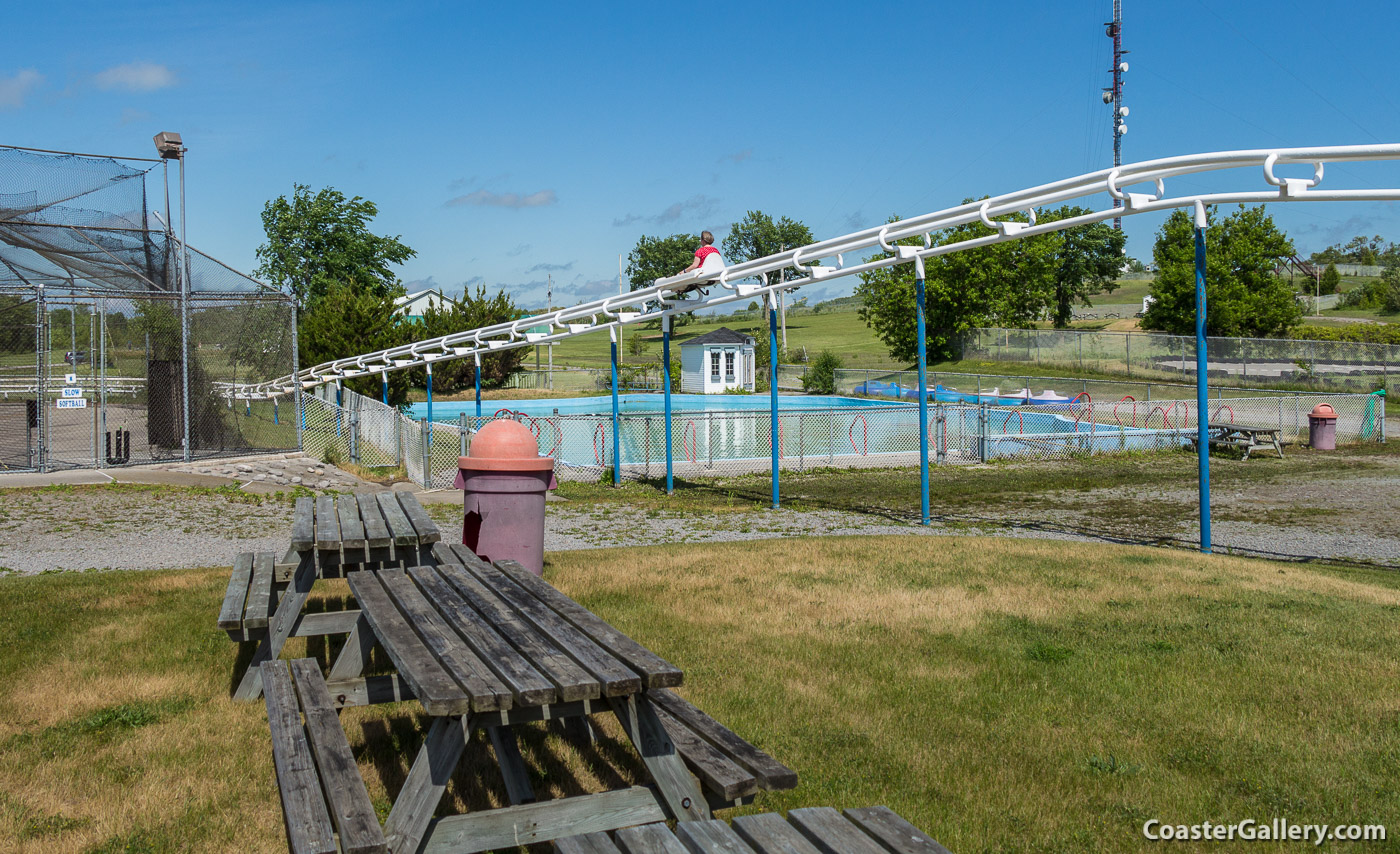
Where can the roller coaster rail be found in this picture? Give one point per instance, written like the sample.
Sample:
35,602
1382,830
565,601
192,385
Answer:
750,279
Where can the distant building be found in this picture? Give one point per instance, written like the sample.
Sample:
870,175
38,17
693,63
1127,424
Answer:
716,362
414,305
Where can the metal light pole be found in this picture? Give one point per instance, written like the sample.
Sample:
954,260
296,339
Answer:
1202,393
923,387
171,147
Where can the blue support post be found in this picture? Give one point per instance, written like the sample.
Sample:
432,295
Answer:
384,386
274,410
923,388
616,421
666,390
1202,394
774,439
429,366
248,406
477,377
339,390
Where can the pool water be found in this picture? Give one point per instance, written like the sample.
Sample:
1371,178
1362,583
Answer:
645,404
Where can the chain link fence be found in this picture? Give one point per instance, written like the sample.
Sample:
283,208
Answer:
1258,362
729,442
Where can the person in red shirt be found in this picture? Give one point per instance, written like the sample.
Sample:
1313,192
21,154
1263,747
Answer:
706,249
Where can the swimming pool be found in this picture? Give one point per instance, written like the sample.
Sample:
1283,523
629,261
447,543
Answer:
631,404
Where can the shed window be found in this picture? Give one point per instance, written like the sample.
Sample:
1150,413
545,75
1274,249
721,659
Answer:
714,364
729,366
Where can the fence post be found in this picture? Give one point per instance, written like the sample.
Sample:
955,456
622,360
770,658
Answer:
710,438
981,432
648,448
355,436
801,448
1244,355
1128,351
41,365
462,433
427,433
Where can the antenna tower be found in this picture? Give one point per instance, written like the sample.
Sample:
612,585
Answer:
1114,94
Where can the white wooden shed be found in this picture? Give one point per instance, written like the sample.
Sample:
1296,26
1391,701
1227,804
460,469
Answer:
716,362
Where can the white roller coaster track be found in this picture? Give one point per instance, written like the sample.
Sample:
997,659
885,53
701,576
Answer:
749,279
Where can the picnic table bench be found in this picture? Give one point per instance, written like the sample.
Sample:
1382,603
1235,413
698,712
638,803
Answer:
330,536
810,830
1246,436
495,647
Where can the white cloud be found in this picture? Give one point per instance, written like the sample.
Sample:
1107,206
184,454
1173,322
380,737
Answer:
551,268
738,156
695,207
486,198
135,77
13,90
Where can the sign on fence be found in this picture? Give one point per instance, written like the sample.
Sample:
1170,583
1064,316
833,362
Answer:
70,379
72,402
72,392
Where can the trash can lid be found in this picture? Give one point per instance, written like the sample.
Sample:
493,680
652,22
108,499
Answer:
1323,410
505,445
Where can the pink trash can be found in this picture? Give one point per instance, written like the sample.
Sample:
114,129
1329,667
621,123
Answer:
504,481
1322,427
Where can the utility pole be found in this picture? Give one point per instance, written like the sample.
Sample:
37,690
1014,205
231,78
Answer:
549,295
1114,94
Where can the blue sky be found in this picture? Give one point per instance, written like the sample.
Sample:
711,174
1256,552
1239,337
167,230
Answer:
508,142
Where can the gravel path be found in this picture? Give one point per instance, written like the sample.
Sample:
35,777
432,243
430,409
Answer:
1349,517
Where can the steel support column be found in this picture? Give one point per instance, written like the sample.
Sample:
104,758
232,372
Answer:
1202,400
616,421
666,393
923,388
774,437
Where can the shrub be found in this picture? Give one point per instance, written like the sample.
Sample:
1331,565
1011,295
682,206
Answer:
820,376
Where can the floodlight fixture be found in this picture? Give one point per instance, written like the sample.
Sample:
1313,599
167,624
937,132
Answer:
169,145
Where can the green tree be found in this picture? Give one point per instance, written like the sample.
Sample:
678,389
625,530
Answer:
1086,261
758,235
1390,289
1244,297
658,257
1004,284
820,376
17,324
1330,280
349,320
472,312
317,240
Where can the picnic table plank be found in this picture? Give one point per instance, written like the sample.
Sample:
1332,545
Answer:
231,612
303,534
830,833
345,791
592,843
352,530
327,525
648,839
573,682
711,837
427,529
769,772
718,772
656,672
617,679
399,526
769,834
307,820
892,831
542,821
376,529
433,687
530,687
259,592
488,694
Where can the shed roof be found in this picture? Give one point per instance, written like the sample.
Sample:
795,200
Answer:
722,335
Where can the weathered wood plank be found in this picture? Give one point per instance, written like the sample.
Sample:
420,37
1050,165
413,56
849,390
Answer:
259,592
307,821
399,527
541,822
886,826
369,690
346,795
648,839
616,677
354,656
681,793
487,693
830,833
656,672
303,532
769,834
279,628
433,687
710,837
770,773
327,525
284,569
422,790
231,611
376,529
572,681
716,771
592,843
513,769
352,530
527,684
426,528
325,623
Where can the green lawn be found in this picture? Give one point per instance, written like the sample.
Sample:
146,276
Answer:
1004,695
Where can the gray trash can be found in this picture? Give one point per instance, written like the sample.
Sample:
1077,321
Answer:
1322,428
504,481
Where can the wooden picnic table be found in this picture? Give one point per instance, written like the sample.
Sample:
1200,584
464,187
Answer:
1246,436
493,647
331,535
